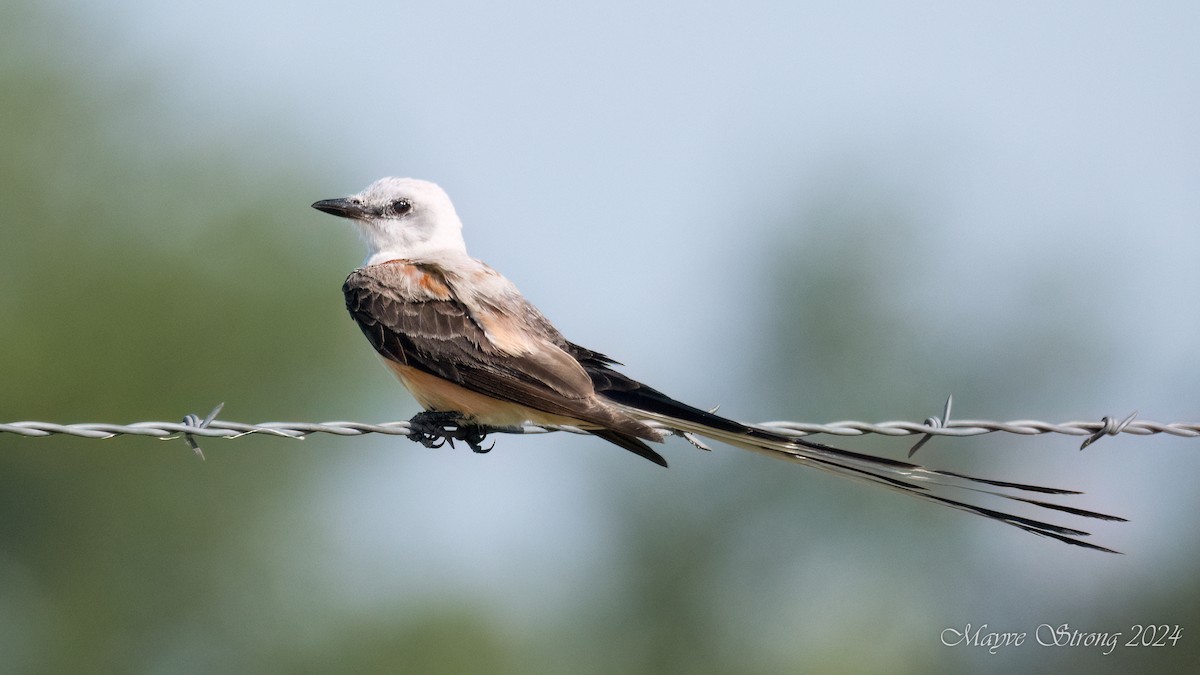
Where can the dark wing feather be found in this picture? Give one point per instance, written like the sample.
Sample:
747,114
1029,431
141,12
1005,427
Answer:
622,389
442,337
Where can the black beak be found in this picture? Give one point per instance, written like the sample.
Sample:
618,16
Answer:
343,208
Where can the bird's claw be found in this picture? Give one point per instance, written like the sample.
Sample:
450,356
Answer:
474,435
433,429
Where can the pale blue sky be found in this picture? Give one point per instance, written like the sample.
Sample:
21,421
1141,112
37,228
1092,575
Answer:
1012,128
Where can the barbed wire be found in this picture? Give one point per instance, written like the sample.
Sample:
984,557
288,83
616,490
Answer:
193,426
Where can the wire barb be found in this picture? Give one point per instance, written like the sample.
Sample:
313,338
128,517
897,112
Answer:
195,421
933,423
1108,427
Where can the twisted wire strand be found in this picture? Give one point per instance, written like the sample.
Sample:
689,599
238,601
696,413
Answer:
192,426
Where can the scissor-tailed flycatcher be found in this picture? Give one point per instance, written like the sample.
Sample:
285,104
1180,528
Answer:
476,354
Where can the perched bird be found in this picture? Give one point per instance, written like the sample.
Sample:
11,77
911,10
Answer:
478,356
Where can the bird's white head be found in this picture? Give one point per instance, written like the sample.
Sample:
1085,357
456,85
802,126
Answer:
401,218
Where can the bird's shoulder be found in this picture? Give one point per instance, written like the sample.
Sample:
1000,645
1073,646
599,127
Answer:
396,292
399,281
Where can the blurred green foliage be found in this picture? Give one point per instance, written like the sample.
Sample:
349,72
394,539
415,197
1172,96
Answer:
138,283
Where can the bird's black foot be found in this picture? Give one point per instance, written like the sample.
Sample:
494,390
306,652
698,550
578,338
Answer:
433,429
474,436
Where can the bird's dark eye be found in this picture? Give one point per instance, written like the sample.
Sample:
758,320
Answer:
401,207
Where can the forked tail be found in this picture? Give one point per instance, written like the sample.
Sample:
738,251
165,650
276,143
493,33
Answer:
942,487
948,488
